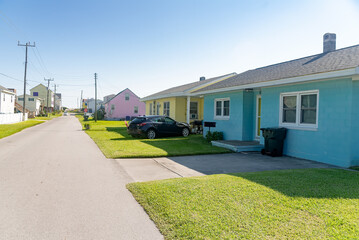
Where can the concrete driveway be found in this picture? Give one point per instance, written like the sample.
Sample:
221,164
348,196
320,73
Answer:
188,166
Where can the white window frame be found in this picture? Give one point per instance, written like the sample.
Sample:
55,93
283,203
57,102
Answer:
158,108
196,114
135,109
221,117
297,124
151,109
127,97
165,109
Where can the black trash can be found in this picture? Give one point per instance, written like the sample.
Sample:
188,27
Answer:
273,141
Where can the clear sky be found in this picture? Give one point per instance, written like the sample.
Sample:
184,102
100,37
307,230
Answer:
151,45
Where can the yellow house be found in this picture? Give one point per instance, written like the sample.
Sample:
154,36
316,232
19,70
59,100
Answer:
178,102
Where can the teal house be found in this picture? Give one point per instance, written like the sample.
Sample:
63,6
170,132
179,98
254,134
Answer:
316,98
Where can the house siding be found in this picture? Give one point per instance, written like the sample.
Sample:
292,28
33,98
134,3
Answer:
124,107
331,142
7,106
233,127
355,124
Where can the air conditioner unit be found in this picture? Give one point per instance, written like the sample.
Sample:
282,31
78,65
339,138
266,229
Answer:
193,116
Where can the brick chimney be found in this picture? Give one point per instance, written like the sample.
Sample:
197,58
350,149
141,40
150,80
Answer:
329,42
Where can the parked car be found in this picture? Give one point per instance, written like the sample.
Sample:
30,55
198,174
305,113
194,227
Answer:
154,126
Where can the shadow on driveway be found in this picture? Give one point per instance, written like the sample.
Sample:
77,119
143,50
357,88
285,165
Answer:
243,162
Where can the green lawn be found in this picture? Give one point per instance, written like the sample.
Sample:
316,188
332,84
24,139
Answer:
289,204
49,117
9,129
114,142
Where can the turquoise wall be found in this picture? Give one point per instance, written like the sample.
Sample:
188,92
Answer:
355,124
330,143
333,142
233,128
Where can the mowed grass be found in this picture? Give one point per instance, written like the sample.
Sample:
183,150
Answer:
113,140
51,116
289,204
9,129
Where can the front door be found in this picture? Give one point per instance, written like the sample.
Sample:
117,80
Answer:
258,116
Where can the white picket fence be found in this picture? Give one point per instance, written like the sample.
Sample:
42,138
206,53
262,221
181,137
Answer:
6,118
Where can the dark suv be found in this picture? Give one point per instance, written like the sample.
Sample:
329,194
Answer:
154,126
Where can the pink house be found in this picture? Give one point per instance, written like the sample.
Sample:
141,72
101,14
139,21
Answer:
124,104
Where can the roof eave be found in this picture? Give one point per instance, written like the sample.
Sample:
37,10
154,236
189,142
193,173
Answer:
182,94
312,77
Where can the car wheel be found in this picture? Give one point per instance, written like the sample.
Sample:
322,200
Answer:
151,134
185,132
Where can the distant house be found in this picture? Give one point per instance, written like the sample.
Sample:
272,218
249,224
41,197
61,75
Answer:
178,102
42,92
58,102
316,98
108,97
90,104
7,100
32,104
124,104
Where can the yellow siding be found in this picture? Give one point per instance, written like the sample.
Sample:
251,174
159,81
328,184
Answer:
181,104
178,107
172,102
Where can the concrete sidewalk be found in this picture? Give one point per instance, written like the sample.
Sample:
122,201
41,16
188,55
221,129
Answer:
56,184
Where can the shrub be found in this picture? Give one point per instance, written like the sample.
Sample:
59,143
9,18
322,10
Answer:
101,114
214,136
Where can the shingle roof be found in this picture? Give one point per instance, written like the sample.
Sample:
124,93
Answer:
325,62
187,87
3,88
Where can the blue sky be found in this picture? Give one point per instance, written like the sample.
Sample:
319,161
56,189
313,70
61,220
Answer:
151,45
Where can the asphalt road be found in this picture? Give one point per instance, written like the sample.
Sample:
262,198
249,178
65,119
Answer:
56,184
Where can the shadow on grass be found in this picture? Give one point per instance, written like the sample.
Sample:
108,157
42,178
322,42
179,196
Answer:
309,183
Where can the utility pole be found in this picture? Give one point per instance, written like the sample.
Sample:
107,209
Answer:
95,97
81,100
24,102
48,91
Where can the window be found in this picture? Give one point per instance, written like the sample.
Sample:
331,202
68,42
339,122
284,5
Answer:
221,110
151,108
166,108
36,94
158,108
299,109
21,99
193,110
127,96
169,121
31,99
135,109
11,99
4,97
112,106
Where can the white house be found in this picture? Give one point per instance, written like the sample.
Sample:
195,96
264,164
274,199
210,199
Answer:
91,104
7,100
